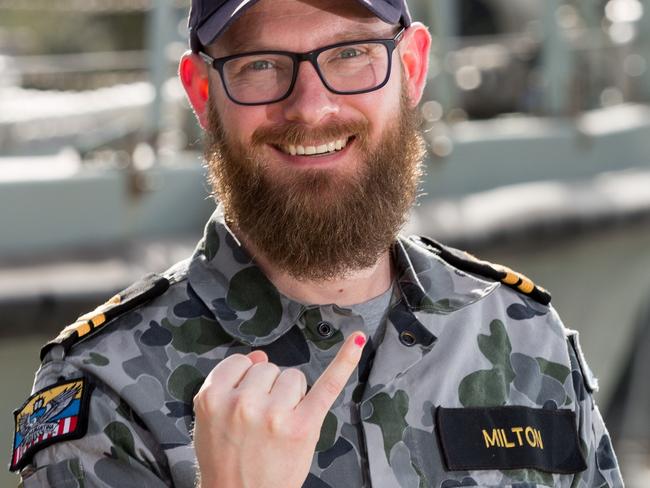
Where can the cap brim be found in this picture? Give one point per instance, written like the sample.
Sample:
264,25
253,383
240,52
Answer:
386,12
217,23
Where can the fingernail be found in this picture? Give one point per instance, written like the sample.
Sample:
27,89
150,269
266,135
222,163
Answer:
360,340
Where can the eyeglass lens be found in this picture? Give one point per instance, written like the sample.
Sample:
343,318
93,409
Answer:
258,78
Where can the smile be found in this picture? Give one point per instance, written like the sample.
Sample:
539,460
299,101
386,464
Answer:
322,148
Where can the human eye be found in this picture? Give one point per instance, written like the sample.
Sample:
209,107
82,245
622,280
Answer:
258,65
350,52
252,65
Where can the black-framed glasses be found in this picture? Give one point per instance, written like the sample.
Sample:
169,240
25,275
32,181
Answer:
345,68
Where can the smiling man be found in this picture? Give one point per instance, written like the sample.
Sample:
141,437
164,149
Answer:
306,343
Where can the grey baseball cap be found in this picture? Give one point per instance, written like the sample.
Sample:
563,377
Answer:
209,18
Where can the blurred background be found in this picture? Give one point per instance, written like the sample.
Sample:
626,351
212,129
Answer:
537,119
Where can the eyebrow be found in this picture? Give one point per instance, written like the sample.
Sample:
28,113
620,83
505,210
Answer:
245,45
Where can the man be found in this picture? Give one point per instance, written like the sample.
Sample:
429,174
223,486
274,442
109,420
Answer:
304,343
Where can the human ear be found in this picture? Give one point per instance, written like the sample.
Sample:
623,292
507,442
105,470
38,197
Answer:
193,73
414,55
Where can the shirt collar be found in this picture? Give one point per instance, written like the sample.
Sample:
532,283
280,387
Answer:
431,285
251,309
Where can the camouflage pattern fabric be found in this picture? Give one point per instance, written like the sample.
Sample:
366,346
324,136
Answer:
452,339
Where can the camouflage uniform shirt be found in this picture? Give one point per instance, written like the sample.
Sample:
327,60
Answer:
455,343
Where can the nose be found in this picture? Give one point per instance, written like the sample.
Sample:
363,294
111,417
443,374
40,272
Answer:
310,101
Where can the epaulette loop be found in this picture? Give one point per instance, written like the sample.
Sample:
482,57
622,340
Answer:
471,264
137,294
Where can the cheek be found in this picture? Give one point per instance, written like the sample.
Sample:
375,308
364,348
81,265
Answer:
228,112
238,122
380,109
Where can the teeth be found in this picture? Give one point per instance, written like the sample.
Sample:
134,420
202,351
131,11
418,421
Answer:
311,150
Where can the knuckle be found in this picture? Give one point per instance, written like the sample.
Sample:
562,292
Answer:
294,375
198,401
205,404
244,407
236,358
263,370
199,398
269,367
276,422
227,368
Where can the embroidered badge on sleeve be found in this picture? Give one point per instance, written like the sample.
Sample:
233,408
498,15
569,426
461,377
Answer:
53,414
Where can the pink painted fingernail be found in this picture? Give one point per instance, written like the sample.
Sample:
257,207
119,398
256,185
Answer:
360,340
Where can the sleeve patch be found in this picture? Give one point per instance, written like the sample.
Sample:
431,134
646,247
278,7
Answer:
56,413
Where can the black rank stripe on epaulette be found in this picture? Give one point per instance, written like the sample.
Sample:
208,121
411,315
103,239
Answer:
140,292
471,264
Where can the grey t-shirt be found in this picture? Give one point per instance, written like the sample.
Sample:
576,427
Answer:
374,312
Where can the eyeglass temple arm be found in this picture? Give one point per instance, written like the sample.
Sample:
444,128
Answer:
206,57
399,35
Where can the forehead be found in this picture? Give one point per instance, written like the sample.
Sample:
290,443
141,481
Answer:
298,25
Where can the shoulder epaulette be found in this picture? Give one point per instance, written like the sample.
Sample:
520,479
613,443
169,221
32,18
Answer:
137,294
471,264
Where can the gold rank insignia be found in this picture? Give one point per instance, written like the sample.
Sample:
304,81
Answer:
89,322
137,294
471,264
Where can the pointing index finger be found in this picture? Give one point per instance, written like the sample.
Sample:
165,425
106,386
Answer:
329,386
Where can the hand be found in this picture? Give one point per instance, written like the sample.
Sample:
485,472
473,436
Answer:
255,427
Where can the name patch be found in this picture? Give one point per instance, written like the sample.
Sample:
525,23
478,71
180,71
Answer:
509,438
53,414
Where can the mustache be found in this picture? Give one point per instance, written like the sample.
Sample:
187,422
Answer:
294,133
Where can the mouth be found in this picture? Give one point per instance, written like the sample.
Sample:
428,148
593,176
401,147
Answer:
315,149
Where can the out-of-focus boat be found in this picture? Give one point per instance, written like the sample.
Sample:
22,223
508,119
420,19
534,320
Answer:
538,127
